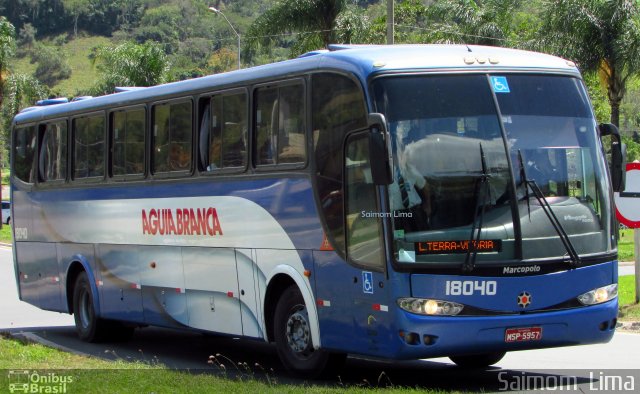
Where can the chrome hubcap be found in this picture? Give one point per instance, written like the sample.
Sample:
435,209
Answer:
298,334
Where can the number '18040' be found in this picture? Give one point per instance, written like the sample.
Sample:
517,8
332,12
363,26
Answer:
471,287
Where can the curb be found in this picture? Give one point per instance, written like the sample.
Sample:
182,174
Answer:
629,326
38,339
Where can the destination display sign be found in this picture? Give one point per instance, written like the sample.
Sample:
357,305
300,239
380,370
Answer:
462,246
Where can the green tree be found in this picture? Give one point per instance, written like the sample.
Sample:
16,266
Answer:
161,24
76,8
27,36
633,149
129,64
7,50
410,24
313,20
482,22
52,64
601,36
222,60
22,91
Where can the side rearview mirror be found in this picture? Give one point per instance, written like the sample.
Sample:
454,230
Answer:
618,163
380,150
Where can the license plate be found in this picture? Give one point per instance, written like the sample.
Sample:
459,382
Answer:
523,334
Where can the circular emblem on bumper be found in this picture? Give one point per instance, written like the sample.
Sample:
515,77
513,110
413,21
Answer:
524,299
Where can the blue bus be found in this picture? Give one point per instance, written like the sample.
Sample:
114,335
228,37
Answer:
397,202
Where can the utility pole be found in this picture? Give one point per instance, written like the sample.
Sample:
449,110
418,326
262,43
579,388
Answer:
217,11
390,22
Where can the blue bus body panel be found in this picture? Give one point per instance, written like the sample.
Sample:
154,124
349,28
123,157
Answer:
370,324
168,280
474,335
545,291
290,201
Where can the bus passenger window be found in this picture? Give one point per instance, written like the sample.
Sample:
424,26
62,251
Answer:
266,125
227,139
88,147
53,152
24,145
128,131
172,137
280,126
291,125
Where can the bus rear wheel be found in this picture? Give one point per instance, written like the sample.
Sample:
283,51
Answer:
477,360
292,332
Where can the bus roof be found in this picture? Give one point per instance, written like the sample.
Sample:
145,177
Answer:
362,60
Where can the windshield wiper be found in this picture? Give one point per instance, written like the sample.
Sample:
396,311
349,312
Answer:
546,207
482,184
523,181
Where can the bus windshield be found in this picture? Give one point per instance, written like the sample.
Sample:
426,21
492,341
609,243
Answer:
468,149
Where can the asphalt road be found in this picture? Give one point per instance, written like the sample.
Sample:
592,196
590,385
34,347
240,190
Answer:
518,371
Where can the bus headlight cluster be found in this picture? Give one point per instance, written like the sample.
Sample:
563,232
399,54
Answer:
599,295
430,307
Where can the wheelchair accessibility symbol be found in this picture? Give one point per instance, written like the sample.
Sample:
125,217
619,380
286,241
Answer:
367,282
500,85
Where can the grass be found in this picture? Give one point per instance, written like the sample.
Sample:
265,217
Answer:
83,74
5,234
625,245
92,375
629,310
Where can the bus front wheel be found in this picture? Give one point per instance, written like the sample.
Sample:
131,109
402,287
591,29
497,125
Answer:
477,360
89,327
292,332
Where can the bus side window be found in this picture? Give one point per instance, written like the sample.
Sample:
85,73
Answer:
291,125
234,131
24,146
172,137
53,152
226,139
266,125
88,147
128,131
280,127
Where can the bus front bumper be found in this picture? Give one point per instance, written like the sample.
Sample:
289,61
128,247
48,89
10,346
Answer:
426,336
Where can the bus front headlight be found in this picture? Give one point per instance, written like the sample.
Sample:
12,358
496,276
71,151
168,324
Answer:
599,295
430,307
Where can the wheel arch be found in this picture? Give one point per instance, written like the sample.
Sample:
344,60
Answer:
281,278
78,265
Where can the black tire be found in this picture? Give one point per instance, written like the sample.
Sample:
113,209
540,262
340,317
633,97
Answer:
89,327
293,339
477,360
